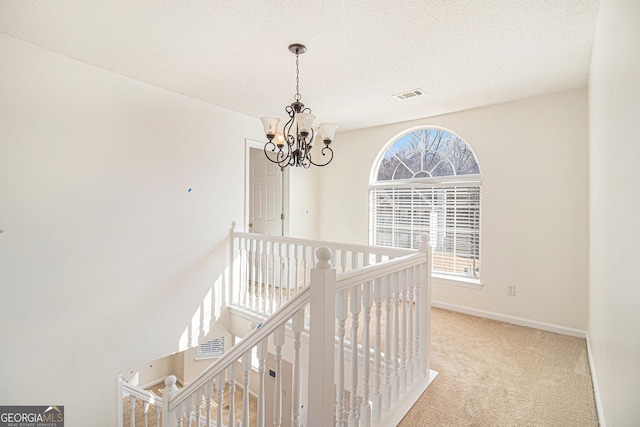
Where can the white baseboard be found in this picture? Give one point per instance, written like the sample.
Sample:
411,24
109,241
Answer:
549,327
594,381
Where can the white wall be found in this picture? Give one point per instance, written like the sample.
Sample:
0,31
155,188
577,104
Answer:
106,260
154,372
614,294
303,202
533,159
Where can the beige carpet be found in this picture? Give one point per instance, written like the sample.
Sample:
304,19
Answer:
497,374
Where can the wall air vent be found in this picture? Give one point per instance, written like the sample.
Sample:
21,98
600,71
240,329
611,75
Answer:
410,94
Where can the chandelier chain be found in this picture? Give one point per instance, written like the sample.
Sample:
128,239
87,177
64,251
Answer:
297,96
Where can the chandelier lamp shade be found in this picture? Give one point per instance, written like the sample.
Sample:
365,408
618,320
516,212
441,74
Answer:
291,145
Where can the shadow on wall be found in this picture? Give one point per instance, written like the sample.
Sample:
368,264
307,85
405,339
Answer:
203,325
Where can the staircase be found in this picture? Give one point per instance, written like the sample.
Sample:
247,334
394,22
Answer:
351,321
145,406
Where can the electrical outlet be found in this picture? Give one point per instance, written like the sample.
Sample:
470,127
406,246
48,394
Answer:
511,290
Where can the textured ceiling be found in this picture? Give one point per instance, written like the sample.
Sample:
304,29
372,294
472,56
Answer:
463,54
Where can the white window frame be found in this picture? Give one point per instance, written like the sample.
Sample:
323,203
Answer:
438,182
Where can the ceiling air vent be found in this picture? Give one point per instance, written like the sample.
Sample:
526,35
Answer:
410,94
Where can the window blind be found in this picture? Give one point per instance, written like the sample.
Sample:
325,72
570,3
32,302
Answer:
211,349
449,214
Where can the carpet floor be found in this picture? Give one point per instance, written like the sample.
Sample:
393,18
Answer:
498,374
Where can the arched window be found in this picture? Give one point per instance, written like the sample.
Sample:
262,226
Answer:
428,181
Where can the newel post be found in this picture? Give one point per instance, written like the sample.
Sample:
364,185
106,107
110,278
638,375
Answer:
322,340
425,305
170,392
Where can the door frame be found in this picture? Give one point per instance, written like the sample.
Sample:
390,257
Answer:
248,145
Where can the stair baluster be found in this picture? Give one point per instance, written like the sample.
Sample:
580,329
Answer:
208,396
145,411
341,317
132,399
253,282
195,409
395,379
262,360
278,341
246,373
377,351
270,276
297,326
343,261
402,371
388,346
355,306
410,336
182,413
219,381
232,395
365,408
289,270
262,281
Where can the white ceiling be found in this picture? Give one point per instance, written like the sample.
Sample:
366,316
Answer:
234,54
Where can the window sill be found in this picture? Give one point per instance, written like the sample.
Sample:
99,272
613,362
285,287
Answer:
206,357
441,279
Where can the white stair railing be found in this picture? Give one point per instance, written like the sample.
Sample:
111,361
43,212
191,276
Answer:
179,404
364,376
267,270
149,400
376,378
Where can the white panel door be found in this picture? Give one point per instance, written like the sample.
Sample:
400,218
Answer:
265,195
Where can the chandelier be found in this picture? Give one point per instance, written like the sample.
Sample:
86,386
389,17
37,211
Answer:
291,146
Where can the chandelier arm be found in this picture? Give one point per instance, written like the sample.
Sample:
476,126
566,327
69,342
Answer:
290,111
292,141
307,142
288,157
326,148
287,127
279,154
269,146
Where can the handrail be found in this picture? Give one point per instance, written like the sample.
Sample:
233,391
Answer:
375,250
266,328
373,271
140,393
